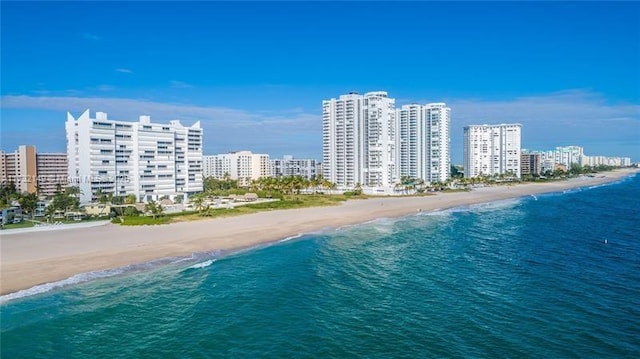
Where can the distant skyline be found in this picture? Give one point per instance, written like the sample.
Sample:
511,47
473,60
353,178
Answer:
255,74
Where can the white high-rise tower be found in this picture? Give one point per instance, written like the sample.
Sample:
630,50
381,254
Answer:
423,137
492,150
359,140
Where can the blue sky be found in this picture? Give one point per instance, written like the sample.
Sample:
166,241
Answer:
255,74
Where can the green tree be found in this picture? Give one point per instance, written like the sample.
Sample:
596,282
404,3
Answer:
154,208
357,190
28,202
198,201
49,212
130,199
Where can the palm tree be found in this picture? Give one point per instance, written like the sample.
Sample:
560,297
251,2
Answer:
198,202
153,207
50,211
357,189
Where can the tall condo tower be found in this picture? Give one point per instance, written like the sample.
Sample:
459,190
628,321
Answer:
424,141
492,150
359,140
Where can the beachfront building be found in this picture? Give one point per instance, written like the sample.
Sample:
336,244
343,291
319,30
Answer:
359,141
568,155
51,168
491,150
243,166
19,168
563,157
148,160
424,142
595,161
289,166
33,172
530,164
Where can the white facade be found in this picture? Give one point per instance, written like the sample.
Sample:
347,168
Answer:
424,141
595,161
289,166
492,150
359,140
243,166
568,155
565,156
149,160
367,141
342,148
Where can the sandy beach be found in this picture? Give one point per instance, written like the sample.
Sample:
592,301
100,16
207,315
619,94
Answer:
34,258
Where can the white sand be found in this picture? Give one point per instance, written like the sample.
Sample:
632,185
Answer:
29,259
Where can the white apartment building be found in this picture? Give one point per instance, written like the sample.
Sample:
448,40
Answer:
289,166
568,155
492,150
424,141
243,166
595,161
359,140
149,160
564,156
342,147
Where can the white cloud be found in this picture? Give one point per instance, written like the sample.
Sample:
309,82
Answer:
124,71
225,128
90,36
180,84
564,118
105,88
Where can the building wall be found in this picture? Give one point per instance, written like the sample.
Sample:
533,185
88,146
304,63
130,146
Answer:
530,164
342,140
492,150
146,159
288,166
424,142
19,167
52,172
33,172
243,166
379,141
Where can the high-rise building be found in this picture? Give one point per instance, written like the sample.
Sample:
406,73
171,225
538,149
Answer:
243,166
492,150
33,172
289,166
19,167
530,164
52,172
424,141
359,140
342,147
148,160
367,141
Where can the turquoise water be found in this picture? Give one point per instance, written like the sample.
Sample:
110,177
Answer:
530,277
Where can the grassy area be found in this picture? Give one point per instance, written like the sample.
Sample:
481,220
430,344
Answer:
23,224
301,201
140,220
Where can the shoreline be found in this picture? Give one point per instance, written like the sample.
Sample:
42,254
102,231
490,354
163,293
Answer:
38,258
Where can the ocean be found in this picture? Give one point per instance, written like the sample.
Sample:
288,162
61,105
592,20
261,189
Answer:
547,276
